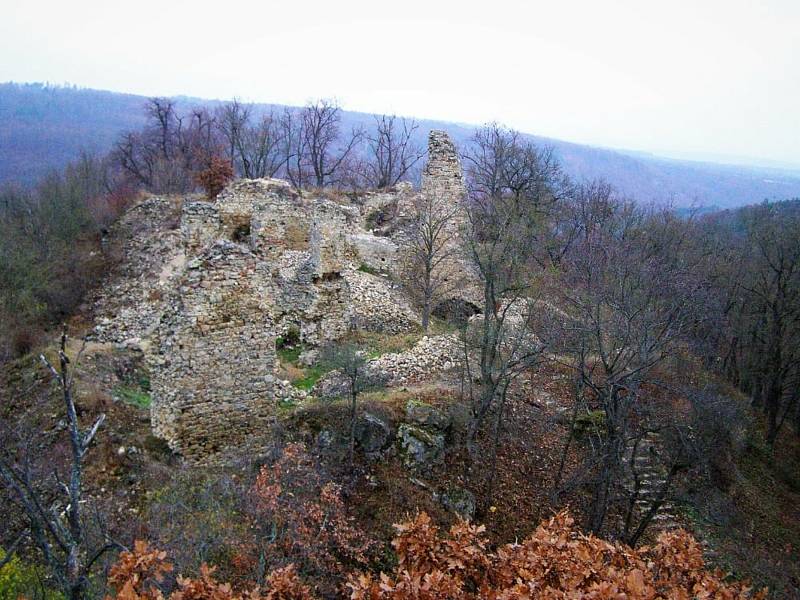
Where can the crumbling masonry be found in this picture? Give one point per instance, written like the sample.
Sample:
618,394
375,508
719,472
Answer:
261,260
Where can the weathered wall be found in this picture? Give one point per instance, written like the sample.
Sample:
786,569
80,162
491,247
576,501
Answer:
200,225
377,253
213,375
443,175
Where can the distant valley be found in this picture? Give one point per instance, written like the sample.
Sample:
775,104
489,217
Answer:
43,127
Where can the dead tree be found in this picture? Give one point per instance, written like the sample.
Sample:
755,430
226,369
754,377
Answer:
61,536
392,150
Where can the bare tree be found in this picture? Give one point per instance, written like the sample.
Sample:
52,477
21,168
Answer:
773,290
322,147
507,225
233,119
486,157
255,148
293,148
627,290
61,536
502,240
755,279
431,269
165,153
260,152
392,150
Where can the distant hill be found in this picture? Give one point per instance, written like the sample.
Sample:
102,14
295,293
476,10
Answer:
43,127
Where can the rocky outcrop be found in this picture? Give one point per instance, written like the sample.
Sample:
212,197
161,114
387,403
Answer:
379,254
420,448
128,307
372,434
425,415
460,501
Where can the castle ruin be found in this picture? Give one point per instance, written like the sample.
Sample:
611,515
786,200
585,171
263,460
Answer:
262,260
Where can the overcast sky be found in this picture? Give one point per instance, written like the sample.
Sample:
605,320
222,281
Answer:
707,78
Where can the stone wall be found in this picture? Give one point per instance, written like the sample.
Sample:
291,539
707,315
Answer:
200,225
377,253
213,374
443,175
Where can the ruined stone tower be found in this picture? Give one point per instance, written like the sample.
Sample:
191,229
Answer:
443,175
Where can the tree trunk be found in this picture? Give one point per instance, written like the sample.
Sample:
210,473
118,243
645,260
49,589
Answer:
353,398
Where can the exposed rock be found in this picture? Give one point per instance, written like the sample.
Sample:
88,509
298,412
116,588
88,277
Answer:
372,434
419,448
326,439
130,304
378,253
377,305
427,416
459,501
430,356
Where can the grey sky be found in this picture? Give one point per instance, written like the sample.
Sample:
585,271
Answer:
708,78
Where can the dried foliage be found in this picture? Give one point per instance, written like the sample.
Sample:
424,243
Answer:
215,176
555,562
306,515
138,574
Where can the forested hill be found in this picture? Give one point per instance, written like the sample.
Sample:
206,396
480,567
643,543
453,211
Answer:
44,127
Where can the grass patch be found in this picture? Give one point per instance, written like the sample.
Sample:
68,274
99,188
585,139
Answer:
377,344
365,268
135,397
289,348
290,354
310,377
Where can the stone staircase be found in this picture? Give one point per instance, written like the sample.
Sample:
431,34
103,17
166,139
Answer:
652,473
649,467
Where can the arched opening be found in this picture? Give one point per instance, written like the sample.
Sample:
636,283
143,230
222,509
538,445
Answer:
455,311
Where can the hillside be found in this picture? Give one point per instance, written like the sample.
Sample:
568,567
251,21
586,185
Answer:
217,347
43,127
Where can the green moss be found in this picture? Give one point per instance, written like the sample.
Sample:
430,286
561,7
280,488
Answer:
592,422
289,354
310,377
137,397
365,268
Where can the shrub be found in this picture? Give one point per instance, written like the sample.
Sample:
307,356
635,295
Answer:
20,580
555,562
306,517
23,341
215,176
